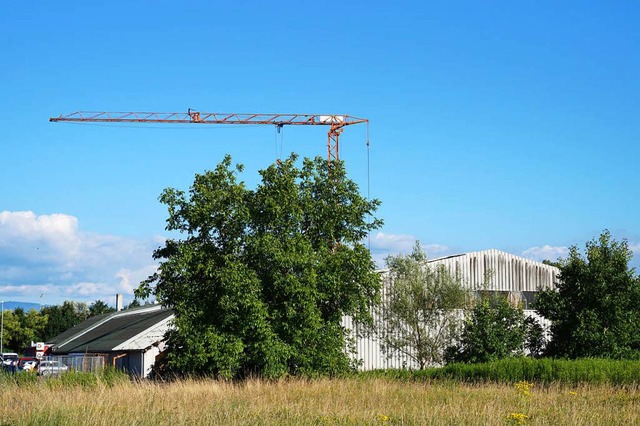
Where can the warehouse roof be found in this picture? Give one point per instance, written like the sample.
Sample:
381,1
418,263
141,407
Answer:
497,270
130,329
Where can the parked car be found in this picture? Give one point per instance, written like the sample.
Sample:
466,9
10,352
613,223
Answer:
8,358
27,364
49,368
9,361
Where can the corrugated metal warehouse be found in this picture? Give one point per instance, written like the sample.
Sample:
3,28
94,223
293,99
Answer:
131,339
491,270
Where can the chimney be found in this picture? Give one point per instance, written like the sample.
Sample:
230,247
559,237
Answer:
118,302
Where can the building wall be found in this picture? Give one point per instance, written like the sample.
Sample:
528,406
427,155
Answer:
137,363
149,360
490,270
499,271
132,362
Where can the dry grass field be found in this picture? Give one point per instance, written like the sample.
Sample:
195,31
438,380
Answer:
317,402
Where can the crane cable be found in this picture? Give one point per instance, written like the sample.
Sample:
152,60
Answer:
278,130
275,141
368,177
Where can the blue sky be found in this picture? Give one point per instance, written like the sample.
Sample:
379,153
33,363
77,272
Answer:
508,125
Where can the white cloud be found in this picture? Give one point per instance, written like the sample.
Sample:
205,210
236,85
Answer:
129,279
87,290
436,250
399,243
39,239
50,254
25,292
383,245
545,252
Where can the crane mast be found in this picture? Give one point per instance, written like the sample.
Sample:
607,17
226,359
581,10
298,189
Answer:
336,123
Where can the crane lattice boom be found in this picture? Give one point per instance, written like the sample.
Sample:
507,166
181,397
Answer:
336,122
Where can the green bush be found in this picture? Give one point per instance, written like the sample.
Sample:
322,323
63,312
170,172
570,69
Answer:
511,370
111,376
25,378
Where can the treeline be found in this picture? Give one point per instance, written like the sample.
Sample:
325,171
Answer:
260,279
21,328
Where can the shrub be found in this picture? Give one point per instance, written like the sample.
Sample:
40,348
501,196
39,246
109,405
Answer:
111,376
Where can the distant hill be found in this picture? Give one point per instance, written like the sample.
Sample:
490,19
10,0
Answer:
27,306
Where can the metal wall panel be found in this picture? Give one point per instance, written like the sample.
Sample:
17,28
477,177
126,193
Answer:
492,270
499,271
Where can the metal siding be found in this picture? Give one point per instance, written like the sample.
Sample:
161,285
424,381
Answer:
509,273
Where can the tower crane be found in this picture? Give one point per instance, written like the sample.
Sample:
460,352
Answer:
336,123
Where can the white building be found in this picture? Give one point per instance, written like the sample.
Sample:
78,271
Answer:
491,270
133,339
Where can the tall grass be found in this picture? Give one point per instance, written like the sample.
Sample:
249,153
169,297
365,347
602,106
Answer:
354,401
25,379
514,391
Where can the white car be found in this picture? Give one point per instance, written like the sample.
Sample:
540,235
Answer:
8,358
49,368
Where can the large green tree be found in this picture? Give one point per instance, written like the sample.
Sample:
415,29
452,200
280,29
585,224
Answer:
21,328
594,311
32,325
421,309
261,278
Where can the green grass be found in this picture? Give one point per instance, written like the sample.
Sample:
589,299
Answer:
511,370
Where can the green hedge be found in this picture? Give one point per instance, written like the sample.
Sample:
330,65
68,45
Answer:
511,370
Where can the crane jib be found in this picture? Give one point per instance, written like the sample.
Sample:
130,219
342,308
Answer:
336,122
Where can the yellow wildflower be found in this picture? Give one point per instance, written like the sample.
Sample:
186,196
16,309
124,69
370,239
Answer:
383,418
518,418
524,387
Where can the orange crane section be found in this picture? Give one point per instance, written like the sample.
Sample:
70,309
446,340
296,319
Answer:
336,123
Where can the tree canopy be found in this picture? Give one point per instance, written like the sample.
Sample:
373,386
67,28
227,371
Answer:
63,317
594,311
100,307
261,278
21,328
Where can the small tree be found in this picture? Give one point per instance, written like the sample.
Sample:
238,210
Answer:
99,308
495,329
420,313
594,311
